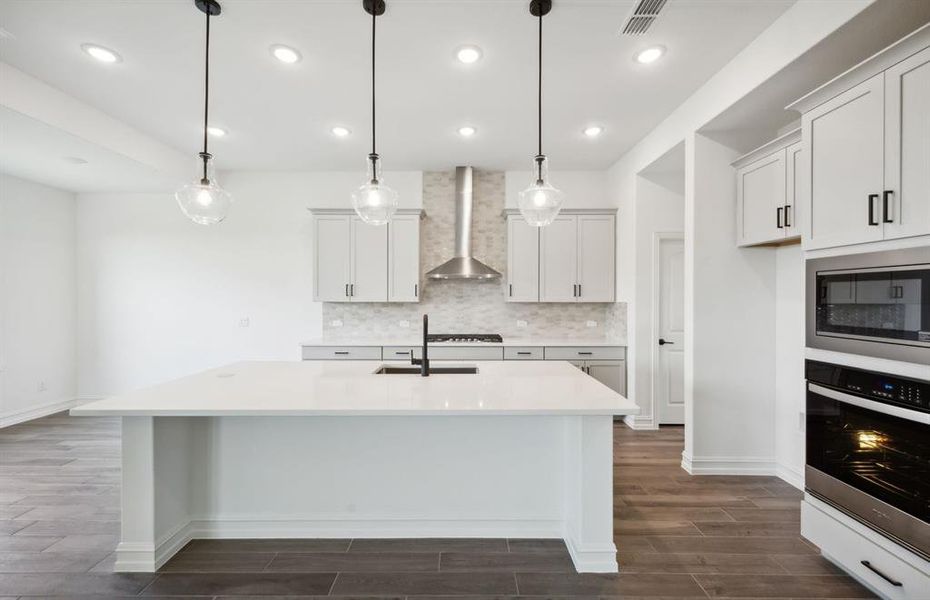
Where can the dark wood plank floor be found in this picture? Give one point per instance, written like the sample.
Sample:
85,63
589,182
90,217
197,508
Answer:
679,537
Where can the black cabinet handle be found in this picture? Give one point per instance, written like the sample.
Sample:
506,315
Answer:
347,290
579,290
778,217
872,199
885,195
407,353
416,290
664,342
869,566
787,221
524,353
352,289
342,353
585,353
510,286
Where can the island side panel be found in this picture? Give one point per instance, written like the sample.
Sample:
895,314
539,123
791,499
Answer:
589,519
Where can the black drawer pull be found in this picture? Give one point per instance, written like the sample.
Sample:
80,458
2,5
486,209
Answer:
872,199
885,197
524,353
869,566
585,353
403,353
787,220
343,352
778,217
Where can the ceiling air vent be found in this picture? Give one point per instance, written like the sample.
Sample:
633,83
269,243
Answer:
644,15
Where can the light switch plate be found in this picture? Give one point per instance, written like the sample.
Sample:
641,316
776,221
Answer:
335,323
591,324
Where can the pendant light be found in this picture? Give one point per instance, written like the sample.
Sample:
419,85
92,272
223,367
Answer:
540,202
203,200
374,201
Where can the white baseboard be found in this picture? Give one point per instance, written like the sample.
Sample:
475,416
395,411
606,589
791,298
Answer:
640,423
592,559
790,475
21,416
725,465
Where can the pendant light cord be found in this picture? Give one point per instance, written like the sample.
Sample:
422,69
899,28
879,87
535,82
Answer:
539,89
374,13
205,155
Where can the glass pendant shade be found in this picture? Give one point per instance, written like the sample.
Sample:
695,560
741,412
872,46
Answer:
203,201
541,201
374,202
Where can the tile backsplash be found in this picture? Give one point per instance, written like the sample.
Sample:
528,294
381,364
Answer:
470,306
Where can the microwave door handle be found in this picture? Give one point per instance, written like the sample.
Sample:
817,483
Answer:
880,407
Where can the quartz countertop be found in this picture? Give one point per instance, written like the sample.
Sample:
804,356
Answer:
414,341
351,388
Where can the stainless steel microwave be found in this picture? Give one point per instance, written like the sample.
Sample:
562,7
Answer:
874,304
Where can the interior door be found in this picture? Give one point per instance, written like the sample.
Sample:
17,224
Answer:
596,255
846,140
907,147
522,261
404,259
558,260
369,281
668,377
761,189
332,260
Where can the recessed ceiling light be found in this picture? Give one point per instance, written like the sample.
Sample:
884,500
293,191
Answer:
649,55
467,131
285,54
468,54
104,55
216,131
75,160
593,131
340,131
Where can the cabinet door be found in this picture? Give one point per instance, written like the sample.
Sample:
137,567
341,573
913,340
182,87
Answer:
332,258
522,261
844,140
610,373
404,259
760,189
369,262
907,148
794,178
596,256
558,260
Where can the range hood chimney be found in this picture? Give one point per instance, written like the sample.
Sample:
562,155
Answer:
463,265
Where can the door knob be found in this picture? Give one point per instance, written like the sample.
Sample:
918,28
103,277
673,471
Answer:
663,342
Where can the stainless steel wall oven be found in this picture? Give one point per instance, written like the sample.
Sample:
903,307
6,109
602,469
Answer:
875,304
868,449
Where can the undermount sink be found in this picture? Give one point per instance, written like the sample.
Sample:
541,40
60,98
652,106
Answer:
433,370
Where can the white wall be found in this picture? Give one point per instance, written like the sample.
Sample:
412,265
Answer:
729,320
37,300
583,189
789,363
160,297
665,214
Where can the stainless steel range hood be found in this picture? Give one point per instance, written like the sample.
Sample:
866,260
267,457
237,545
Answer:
463,265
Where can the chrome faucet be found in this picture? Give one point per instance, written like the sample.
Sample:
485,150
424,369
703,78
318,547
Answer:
424,361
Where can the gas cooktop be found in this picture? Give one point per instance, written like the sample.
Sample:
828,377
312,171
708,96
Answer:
490,338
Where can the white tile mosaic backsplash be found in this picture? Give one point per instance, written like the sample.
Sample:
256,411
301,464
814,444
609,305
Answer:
470,306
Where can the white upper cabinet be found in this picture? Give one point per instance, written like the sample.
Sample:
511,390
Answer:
522,261
404,259
766,183
577,255
357,262
866,149
907,147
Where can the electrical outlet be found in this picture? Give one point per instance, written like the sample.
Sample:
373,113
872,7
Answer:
591,324
244,322
405,324
335,323
41,387
521,324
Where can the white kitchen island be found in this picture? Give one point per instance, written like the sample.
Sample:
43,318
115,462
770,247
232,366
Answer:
330,449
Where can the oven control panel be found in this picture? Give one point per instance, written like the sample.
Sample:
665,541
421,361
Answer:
890,389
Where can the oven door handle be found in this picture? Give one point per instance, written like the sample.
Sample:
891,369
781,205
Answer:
885,409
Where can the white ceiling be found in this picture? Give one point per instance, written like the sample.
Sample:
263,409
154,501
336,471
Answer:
279,115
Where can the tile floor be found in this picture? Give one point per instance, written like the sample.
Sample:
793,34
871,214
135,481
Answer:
679,537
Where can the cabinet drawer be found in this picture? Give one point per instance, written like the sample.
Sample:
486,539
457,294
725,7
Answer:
849,548
585,353
341,353
445,352
523,353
